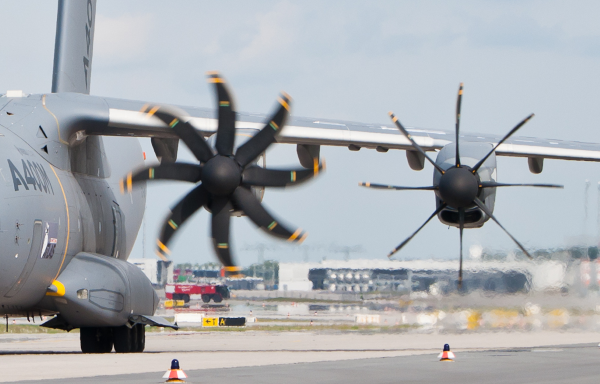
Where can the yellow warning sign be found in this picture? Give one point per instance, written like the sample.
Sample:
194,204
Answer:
210,321
174,303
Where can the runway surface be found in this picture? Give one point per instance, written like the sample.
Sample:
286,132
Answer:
562,364
310,357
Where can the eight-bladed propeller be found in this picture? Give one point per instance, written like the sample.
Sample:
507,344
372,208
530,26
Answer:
225,179
459,186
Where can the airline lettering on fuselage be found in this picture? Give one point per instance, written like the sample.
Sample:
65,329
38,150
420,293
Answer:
33,174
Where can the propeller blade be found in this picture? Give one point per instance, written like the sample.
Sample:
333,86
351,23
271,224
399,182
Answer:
221,212
166,171
252,148
461,223
509,134
257,176
397,188
227,116
184,209
482,206
186,132
442,206
248,203
458,104
413,142
491,184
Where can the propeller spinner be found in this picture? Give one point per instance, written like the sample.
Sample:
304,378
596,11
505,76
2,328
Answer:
224,179
459,186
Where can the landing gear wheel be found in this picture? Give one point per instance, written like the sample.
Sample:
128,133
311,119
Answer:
141,337
124,339
96,340
128,340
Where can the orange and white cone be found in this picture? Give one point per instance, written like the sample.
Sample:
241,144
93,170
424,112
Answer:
446,354
175,374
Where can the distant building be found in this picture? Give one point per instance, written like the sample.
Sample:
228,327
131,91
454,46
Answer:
157,271
430,276
245,283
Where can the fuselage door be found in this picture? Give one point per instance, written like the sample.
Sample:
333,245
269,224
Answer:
118,238
34,253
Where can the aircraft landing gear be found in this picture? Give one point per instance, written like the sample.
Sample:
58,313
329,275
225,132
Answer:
128,340
124,339
96,340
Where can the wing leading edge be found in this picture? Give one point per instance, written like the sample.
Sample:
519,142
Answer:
115,117
125,118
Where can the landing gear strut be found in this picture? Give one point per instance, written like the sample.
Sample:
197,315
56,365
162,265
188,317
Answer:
124,339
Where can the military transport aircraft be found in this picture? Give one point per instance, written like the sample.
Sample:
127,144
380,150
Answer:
71,213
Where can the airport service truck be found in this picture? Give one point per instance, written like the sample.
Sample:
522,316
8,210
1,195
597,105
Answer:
204,292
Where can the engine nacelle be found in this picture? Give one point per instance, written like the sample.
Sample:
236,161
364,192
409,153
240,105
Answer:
101,291
471,153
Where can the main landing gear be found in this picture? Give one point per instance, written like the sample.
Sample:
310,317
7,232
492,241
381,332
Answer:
124,339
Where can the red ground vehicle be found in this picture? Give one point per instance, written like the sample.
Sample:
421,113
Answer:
205,292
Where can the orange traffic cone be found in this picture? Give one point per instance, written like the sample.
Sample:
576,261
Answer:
446,354
175,374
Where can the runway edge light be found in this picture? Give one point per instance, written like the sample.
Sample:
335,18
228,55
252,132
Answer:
175,374
446,354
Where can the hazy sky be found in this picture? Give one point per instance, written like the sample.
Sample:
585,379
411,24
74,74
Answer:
354,60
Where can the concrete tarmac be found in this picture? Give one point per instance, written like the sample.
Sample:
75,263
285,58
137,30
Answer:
301,357
562,364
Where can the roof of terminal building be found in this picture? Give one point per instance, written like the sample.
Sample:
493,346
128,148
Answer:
431,265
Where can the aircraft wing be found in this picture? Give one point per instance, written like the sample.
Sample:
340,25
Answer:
126,119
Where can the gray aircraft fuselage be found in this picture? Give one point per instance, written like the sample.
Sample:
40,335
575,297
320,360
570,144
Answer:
59,198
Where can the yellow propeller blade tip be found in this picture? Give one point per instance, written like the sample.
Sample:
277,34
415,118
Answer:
161,256
284,94
210,73
391,113
304,236
323,164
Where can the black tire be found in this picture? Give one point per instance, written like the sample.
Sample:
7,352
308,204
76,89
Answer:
217,298
141,337
123,339
206,298
185,298
134,338
176,297
96,340
106,339
87,340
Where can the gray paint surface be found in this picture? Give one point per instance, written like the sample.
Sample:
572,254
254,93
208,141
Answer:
74,46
